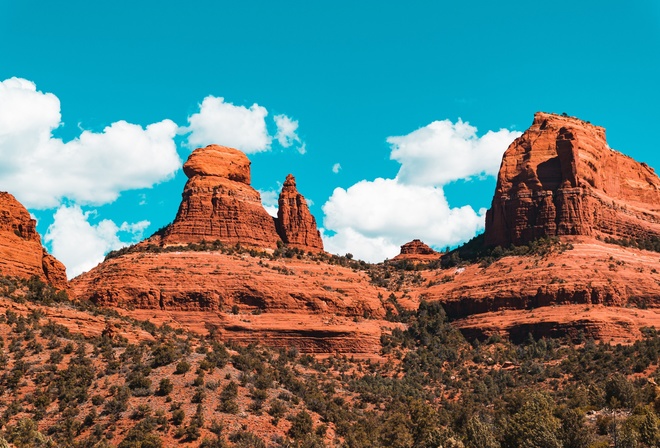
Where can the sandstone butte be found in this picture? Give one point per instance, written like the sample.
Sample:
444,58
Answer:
218,203
417,250
21,252
561,178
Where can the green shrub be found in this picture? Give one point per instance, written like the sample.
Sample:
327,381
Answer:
182,367
178,415
165,387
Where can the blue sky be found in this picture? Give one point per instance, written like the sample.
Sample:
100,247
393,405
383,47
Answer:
351,74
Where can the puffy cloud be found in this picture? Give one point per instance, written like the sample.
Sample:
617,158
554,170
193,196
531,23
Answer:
371,219
91,169
347,240
336,167
286,130
442,152
226,124
223,123
81,245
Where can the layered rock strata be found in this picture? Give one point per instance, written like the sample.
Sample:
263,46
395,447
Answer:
561,178
541,294
316,307
21,252
295,224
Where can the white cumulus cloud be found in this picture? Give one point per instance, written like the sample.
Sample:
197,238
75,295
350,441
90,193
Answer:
287,128
81,245
376,217
94,168
372,219
347,240
223,123
245,128
336,167
443,152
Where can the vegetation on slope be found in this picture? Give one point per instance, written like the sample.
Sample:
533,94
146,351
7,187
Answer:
432,388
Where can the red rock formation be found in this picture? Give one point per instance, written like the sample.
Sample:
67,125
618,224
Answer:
592,272
316,307
561,178
615,325
416,250
416,247
21,252
295,224
219,204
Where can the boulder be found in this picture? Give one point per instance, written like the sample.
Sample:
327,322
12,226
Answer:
416,250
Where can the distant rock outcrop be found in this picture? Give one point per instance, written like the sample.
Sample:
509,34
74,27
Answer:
295,224
416,250
21,252
561,178
218,203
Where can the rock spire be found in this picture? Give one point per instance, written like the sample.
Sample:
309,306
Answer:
295,224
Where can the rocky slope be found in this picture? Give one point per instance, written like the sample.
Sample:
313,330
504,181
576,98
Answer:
77,375
314,306
295,224
561,178
21,252
590,272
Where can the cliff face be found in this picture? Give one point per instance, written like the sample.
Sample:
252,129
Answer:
21,252
561,178
295,224
218,202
